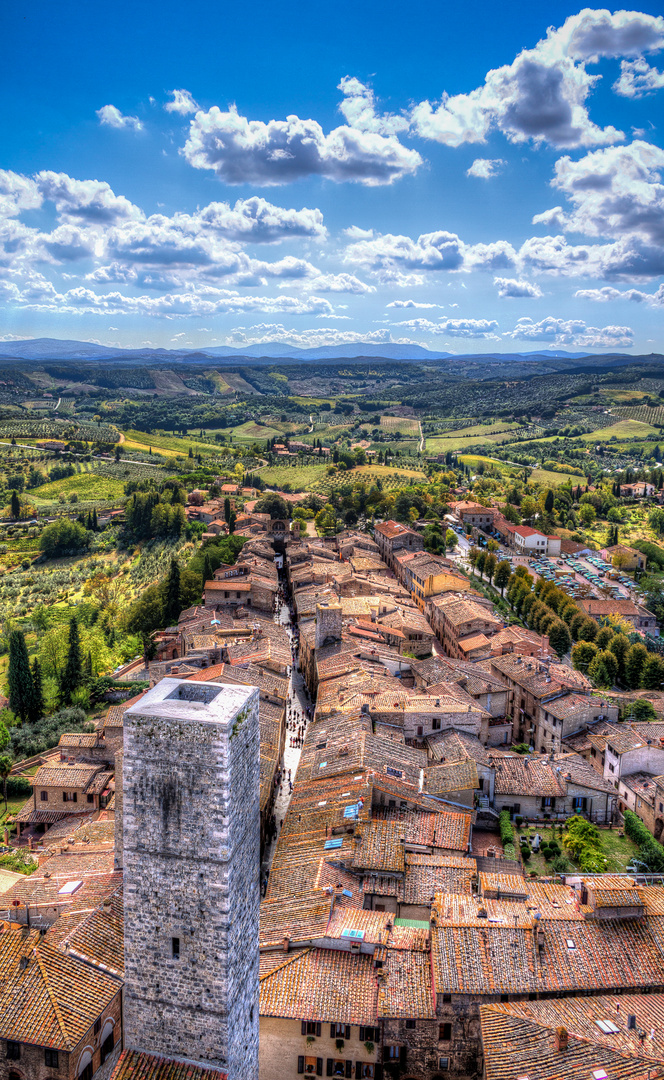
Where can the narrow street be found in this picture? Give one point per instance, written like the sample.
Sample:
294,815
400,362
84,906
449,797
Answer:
296,722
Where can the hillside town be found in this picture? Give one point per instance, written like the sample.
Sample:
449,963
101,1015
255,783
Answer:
404,728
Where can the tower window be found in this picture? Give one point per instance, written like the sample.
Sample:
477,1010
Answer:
175,943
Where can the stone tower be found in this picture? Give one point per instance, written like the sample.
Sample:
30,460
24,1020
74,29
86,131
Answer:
328,624
192,866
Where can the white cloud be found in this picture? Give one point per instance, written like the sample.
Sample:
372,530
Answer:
91,201
573,332
391,255
608,294
359,109
485,168
256,220
110,115
596,33
243,151
17,193
410,304
459,328
354,232
319,336
182,103
338,283
513,289
637,79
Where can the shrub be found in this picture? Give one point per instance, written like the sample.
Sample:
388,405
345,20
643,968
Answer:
31,739
510,851
506,830
559,864
525,852
650,851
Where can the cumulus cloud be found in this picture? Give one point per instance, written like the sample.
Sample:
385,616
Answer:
182,103
572,332
243,151
258,221
319,336
93,201
391,254
354,232
638,78
338,283
485,168
459,328
595,33
410,304
609,294
359,109
513,289
110,115
17,193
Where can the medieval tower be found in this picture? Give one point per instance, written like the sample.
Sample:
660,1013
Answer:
191,865
328,624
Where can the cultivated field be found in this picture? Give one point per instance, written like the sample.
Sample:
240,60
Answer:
401,424
623,429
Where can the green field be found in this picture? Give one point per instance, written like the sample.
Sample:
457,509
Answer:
87,486
401,424
473,460
471,436
167,444
553,479
300,477
623,429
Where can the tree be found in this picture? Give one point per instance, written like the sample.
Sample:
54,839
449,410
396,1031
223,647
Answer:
451,539
583,653
587,631
603,669
6,763
473,556
19,676
656,520
587,514
63,536
652,673
15,505
603,637
639,711
72,676
480,562
172,594
274,504
227,510
548,501
37,708
231,522
208,571
560,638
490,566
634,660
502,575
619,646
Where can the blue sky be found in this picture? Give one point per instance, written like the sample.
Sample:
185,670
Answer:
467,177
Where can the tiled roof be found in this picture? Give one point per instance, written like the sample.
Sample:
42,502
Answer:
137,1065
381,847
447,830
302,919
406,990
533,776
95,935
326,985
64,776
47,998
453,776
519,1039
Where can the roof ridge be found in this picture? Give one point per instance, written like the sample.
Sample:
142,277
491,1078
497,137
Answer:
53,1000
291,958
623,1052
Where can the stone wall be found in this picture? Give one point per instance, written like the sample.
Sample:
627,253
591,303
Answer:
192,861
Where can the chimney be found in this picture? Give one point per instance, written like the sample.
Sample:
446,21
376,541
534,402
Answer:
631,1022
561,1038
286,942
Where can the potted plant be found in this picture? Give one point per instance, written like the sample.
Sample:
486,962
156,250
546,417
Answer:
340,1044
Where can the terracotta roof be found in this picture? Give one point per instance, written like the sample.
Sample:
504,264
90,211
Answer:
519,1038
322,984
93,933
137,1065
64,776
407,990
46,998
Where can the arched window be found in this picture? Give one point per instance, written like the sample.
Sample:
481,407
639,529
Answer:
85,1066
107,1040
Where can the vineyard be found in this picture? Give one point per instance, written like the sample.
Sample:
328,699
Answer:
646,414
401,424
62,430
314,477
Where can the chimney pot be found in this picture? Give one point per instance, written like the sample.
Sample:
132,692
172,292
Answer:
562,1038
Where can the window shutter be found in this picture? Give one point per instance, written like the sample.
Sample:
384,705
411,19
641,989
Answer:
348,1031
349,1070
300,1063
378,1072
358,1070
319,1066
318,1028
402,1055
362,1036
330,1067
304,1027
332,1030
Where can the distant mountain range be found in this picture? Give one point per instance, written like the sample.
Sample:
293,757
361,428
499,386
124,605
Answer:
55,349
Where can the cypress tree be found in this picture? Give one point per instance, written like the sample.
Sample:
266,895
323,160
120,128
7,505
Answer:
172,599
208,572
227,510
37,710
15,506
95,524
231,524
72,676
19,676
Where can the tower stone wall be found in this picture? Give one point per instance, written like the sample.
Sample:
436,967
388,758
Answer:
328,624
117,814
191,831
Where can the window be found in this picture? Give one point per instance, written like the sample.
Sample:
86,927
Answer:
311,1027
69,796
97,1027
43,795
86,1073
447,998
51,1058
443,1063
339,1068
444,1032
310,1066
90,798
107,1047
13,1051
548,802
175,948
411,1024
365,1069
369,1034
394,1053
340,1031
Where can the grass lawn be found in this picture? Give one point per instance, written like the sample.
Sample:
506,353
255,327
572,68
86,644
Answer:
623,429
86,485
617,850
554,479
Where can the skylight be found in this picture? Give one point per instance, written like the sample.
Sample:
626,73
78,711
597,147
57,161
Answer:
607,1026
335,842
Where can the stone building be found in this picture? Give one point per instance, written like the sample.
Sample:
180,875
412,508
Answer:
191,863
